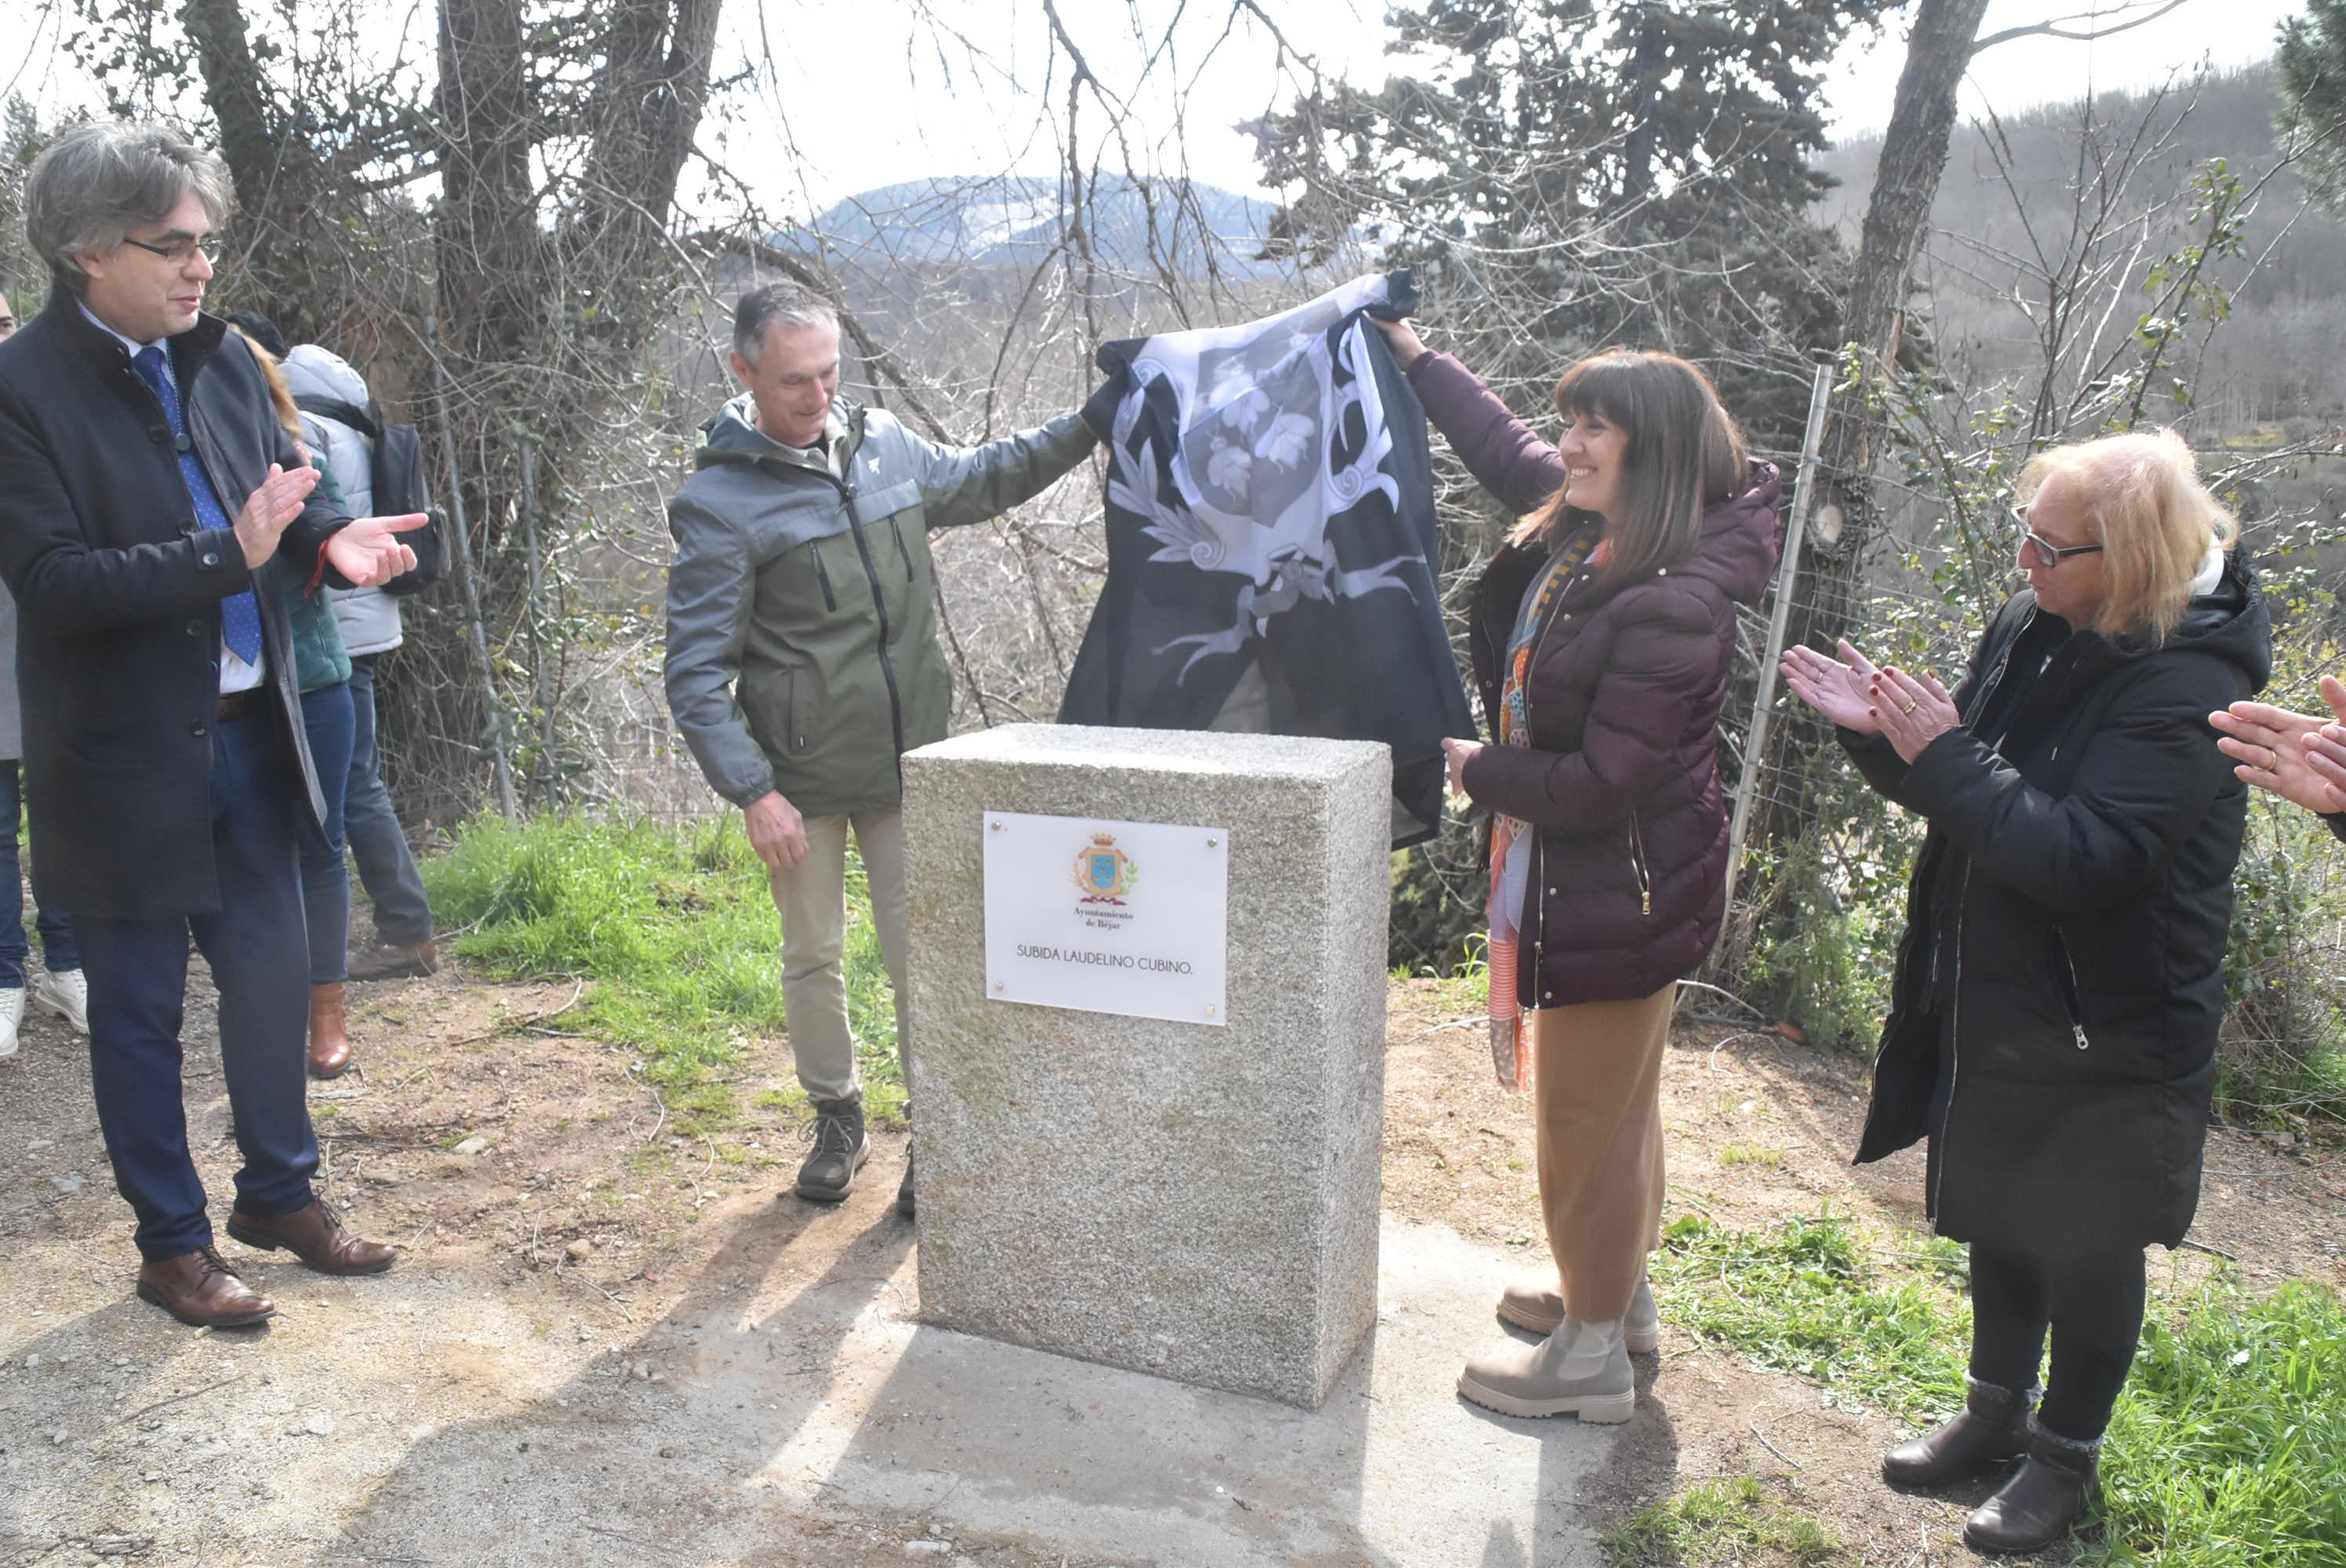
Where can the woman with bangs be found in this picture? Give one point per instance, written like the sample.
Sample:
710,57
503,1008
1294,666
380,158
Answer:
1602,636
2056,996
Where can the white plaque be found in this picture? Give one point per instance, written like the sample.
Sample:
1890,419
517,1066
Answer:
1108,917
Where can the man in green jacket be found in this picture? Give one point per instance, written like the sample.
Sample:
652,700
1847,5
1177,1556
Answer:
802,657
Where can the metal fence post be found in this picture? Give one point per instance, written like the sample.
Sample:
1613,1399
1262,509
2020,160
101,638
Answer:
1788,573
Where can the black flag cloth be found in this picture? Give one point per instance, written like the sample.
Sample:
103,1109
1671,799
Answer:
1270,544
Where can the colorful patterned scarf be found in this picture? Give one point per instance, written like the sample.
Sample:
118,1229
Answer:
1511,1045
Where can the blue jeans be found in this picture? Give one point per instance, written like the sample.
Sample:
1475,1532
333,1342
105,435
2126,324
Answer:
325,880
137,988
403,915
57,950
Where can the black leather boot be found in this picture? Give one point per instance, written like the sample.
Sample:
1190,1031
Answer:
1991,1432
2041,1504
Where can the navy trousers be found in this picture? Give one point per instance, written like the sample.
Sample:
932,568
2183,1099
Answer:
259,953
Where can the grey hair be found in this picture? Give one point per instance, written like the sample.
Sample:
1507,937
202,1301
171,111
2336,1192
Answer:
784,305
97,182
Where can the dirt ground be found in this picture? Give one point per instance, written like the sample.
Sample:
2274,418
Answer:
1760,1128
570,1258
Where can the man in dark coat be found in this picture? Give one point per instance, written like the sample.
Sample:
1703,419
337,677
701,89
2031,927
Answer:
148,502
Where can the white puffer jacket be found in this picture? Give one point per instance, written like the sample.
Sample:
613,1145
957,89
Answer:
368,616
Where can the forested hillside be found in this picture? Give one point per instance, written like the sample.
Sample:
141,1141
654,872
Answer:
2019,191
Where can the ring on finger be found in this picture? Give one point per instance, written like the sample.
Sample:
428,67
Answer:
1911,703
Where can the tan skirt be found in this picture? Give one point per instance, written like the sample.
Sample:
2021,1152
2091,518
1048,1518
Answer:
1599,1114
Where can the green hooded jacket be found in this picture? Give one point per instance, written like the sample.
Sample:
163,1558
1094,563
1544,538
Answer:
318,660
802,650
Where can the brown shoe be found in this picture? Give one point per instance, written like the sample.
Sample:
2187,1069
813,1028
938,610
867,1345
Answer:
316,1236
202,1291
329,1036
387,960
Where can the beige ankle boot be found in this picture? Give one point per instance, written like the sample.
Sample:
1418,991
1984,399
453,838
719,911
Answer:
1534,1303
1582,1369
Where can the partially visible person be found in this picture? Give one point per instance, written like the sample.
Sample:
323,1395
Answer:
61,989
1603,635
2299,756
2056,997
339,414
323,671
7,318
803,661
149,503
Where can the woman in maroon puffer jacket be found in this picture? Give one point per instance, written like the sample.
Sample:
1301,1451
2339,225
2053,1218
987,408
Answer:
1602,636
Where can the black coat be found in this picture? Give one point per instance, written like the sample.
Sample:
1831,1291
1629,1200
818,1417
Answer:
2058,990
117,598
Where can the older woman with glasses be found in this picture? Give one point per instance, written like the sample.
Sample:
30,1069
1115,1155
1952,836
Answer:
2057,995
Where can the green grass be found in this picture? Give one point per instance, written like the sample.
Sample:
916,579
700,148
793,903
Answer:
674,930
1808,1298
1751,1155
2228,1444
1738,1524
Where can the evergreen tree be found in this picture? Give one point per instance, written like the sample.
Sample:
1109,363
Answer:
1569,174
2313,100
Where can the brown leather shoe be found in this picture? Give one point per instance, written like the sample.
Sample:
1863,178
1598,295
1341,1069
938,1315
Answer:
316,1236
202,1291
329,1036
386,961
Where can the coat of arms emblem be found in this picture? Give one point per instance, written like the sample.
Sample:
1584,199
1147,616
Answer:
1104,872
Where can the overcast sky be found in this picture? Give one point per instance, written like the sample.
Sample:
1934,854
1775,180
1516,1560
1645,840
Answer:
871,92
902,111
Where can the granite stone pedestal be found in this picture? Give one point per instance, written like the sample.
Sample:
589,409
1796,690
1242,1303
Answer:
1195,1201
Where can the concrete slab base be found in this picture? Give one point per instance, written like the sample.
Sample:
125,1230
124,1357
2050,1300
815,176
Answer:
1100,1462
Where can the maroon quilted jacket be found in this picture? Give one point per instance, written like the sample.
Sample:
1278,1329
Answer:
1621,778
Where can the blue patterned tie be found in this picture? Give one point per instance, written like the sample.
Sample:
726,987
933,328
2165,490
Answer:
240,613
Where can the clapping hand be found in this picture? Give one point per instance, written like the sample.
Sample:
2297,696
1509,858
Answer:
1910,713
1841,690
278,500
368,553
2298,757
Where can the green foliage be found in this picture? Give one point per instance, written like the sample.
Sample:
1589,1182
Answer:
1805,1297
1738,1524
1534,160
1437,917
2225,1448
673,929
2313,118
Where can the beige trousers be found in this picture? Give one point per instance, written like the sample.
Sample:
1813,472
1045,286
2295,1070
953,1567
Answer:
1599,1114
812,899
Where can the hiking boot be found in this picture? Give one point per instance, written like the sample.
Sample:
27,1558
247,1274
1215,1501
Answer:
1990,1433
904,1188
395,961
2045,1499
1537,1305
1582,1369
840,1147
65,993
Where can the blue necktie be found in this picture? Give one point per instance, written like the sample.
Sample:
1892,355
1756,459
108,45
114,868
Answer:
240,613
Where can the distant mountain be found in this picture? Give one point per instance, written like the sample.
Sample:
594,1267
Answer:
1018,218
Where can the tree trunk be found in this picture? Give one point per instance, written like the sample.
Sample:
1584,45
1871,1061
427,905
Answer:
1828,590
277,175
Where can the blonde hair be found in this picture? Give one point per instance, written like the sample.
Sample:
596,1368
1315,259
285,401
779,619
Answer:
281,395
2153,517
